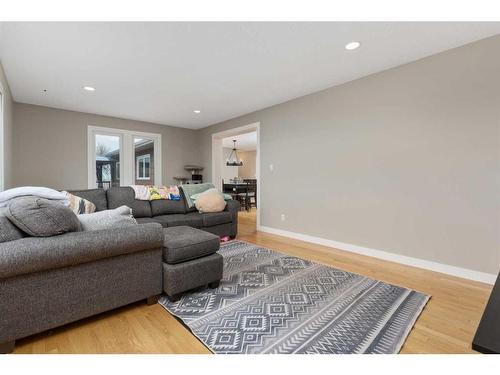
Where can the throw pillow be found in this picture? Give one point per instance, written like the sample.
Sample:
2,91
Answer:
37,191
164,192
79,205
41,217
227,197
8,231
108,219
210,200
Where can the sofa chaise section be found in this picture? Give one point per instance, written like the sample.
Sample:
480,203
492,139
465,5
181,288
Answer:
57,280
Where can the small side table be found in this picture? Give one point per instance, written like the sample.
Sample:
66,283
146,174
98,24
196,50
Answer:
487,339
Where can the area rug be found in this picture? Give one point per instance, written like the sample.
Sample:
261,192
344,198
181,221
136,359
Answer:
269,302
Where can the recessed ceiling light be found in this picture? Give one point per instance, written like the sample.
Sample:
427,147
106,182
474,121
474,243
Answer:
352,45
88,88
197,111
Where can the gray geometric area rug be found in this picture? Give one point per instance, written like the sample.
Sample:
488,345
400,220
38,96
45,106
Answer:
269,302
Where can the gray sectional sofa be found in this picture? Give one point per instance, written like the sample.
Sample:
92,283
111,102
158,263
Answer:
46,282
166,212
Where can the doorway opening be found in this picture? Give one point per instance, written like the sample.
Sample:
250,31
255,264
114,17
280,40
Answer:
240,181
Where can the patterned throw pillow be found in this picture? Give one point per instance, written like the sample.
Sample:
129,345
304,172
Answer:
164,192
152,193
80,205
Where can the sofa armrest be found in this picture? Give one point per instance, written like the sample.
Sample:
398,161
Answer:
35,254
233,206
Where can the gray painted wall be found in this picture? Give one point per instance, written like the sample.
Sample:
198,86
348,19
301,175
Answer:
50,146
249,158
247,170
8,126
406,161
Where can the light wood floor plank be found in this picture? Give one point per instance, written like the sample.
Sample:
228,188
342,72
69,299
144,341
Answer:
447,324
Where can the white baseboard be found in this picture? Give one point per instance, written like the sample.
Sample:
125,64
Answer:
415,262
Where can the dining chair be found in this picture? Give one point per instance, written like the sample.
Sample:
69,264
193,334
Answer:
229,189
252,191
248,197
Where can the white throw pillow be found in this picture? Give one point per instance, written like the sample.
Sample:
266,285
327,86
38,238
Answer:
108,219
211,200
37,191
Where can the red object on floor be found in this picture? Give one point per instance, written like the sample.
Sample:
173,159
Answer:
224,239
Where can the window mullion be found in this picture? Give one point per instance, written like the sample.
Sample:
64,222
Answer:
128,158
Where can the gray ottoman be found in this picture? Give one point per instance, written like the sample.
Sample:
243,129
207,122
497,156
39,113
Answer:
190,260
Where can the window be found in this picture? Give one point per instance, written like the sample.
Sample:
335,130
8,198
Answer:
117,168
142,168
144,153
107,157
122,157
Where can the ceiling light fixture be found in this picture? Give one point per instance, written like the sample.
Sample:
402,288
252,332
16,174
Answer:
234,161
352,46
88,88
197,111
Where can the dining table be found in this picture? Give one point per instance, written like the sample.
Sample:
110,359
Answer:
235,188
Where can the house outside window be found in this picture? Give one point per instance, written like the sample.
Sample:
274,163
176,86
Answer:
143,167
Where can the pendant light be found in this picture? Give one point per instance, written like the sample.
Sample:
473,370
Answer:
236,162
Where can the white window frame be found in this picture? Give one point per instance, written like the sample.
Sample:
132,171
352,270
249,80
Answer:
127,154
138,160
118,171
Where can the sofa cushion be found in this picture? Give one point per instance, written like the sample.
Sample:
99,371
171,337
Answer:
34,254
167,206
41,217
216,218
96,196
184,202
192,219
185,243
108,219
146,220
8,231
125,196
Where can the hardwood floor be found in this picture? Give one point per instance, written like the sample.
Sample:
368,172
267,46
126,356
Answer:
447,324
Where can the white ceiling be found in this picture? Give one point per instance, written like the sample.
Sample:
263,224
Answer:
244,142
161,72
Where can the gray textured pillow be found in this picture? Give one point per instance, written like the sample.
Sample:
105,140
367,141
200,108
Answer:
41,217
8,231
108,219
